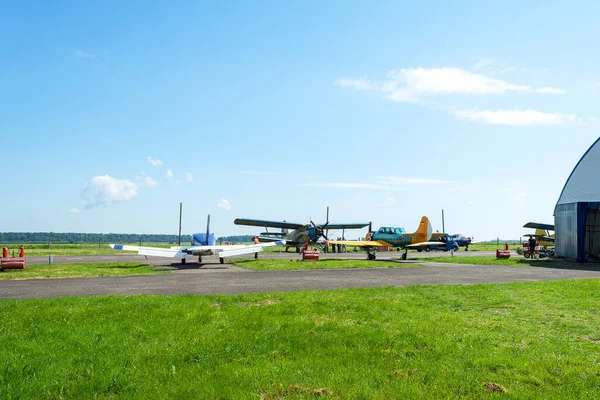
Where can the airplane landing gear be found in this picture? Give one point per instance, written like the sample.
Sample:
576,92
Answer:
200,259
404,255
297,249
255,256
183,260
221,260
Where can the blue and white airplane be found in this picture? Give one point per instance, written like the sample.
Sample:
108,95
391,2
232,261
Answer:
203,244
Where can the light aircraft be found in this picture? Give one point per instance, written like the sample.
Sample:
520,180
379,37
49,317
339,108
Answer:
397,237
203,244
542,233
299,234
461,240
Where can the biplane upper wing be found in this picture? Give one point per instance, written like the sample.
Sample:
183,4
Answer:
537,225
345,226
267,224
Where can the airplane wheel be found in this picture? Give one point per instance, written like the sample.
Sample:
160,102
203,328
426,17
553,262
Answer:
419,250
427,249
183,260
526,255
221,260
404,256
371,257
255,256
199,259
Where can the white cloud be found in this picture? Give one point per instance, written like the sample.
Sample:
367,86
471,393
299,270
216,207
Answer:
224,204
83,54
74,211
177,182
104,190
189,177
349,185
551,90
149,182
409,85
452,81
154,161
515,117
169,174
409,181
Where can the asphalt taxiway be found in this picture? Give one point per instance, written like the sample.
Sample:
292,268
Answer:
215,278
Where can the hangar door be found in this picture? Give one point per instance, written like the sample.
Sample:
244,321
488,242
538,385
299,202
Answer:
592,232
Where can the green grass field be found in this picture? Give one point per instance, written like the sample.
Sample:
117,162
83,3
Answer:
491,246
289,265
522,340
84,270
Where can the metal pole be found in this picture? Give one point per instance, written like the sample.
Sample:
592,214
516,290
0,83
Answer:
180,210
443,227
327,232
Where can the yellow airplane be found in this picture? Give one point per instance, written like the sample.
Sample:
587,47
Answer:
542,233
397,237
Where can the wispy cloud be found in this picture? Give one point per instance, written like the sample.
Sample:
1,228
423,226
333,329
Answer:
224,204
413,85
154,161
398,180
75,211
355,185
516,117
360,84
257,173
83,54
149,182
169,174
105,190
389,183
189,177
550,90
482,63
388,201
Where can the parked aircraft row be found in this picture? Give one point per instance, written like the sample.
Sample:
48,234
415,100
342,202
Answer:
296,235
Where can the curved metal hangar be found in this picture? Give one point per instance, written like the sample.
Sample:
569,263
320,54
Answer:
577,212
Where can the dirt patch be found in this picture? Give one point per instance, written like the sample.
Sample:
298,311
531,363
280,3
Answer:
494,387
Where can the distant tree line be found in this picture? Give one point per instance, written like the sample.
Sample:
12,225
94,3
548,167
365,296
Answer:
55,237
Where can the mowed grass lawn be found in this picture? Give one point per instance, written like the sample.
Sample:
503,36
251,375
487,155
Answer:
84,270
522,340
290,265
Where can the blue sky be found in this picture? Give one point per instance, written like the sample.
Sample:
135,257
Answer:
111,114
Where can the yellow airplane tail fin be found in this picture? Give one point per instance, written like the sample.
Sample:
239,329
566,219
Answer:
541,232
423,233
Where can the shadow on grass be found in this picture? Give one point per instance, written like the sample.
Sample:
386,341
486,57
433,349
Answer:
194,265
123,266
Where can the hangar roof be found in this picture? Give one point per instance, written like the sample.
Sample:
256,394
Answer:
583,184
